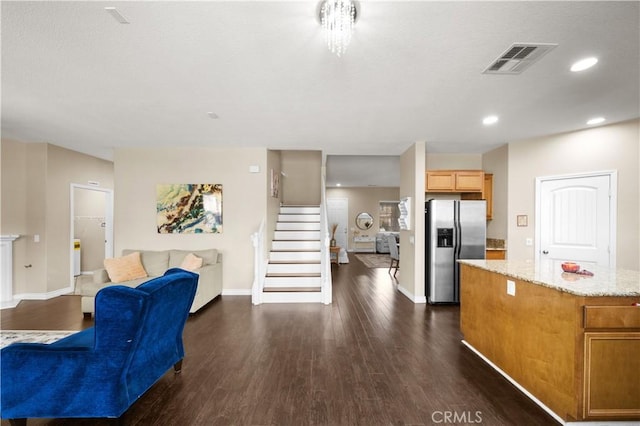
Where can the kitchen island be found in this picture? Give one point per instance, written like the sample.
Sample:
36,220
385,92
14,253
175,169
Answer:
570,342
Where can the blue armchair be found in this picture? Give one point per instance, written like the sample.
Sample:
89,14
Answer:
103,370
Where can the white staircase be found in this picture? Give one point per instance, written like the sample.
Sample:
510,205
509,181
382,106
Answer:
294,270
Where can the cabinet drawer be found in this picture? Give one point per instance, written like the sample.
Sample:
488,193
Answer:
611,317
495,255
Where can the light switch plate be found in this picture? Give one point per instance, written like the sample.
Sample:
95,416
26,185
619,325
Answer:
511,288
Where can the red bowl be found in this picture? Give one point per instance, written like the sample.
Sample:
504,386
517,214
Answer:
570,267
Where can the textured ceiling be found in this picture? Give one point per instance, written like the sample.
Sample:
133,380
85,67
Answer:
73,76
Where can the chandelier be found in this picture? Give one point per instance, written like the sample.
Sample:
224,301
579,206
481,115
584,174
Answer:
338,18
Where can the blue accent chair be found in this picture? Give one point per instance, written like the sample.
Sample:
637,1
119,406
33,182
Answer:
103,370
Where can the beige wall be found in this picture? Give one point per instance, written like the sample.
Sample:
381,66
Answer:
453,161
43,209
412,242
364,199
613,147
496,162
244,202
301,184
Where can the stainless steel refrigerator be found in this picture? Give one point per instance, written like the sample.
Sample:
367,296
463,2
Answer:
456,229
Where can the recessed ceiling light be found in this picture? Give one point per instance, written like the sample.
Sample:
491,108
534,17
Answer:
338,184
492,119
596,120
116,15
212,115
584,64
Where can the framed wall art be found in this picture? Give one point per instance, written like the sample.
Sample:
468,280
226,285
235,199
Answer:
189,208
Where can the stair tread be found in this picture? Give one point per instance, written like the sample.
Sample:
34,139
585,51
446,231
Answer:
292,289
292,275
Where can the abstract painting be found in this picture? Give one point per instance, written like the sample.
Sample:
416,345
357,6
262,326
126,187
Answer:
189,208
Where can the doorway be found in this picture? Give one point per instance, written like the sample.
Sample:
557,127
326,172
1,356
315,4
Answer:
577,218
338,212
91,224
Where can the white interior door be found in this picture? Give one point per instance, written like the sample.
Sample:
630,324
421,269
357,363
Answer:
338,212
577,218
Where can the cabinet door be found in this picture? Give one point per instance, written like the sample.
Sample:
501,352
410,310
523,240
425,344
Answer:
612,375
469,181
440,181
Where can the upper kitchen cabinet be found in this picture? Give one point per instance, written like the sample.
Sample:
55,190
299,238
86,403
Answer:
486,194
454,181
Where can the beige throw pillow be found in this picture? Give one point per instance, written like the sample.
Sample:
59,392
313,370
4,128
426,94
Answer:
125,268
191,262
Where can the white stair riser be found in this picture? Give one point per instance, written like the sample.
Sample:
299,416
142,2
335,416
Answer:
298,226
298,218
292,297
293,268
297,235
295,245
292,282
293,256
300,210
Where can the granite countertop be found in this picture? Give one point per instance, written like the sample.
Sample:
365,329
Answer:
604,282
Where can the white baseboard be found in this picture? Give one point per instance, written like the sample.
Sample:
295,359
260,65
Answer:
410,296
40,296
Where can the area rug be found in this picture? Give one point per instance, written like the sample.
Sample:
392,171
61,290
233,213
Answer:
8,337
372,260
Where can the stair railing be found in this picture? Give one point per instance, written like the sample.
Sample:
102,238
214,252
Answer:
325,259
259,264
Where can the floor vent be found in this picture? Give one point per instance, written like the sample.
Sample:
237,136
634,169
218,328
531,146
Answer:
518,57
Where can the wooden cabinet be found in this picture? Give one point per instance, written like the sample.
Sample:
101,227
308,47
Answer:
495,254
611,362
486,194
578,355
454,181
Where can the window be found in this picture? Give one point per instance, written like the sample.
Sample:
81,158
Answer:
389,214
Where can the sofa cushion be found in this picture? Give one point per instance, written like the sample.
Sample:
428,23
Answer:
90,289
191,262
176,257
125,268
155,262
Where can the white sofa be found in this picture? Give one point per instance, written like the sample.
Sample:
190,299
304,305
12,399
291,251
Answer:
155,264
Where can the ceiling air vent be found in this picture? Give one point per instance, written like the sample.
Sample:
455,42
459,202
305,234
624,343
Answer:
518,57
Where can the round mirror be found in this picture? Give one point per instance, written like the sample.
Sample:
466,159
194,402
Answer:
364,221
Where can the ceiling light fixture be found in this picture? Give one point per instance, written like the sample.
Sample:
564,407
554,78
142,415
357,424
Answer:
594,121
338,18
488,121
584,64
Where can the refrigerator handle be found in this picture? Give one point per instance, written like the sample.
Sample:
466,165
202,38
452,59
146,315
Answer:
456,249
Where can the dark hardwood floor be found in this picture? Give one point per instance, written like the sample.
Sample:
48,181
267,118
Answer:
370,358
